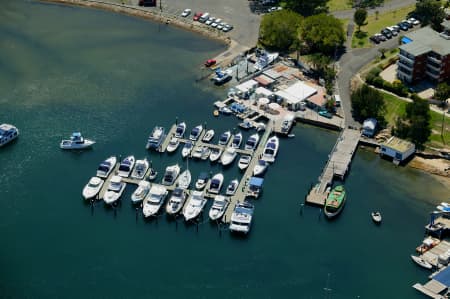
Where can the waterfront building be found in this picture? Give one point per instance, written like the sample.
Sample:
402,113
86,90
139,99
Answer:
425,54
295,94
398,149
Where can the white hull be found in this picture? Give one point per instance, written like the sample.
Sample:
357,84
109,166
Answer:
174,171
215,155
140,169
208,136
270,153
69,145
259,169
111,197
141,192
184,180
90,192
105,173
126,173
7,134
254,142
244,162
216,188
175,204
237,140
421,262
232,187
151,211
181,128
218,208
228,156
224,138
194,136
194,206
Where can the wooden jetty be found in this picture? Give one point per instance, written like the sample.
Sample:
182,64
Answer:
336,167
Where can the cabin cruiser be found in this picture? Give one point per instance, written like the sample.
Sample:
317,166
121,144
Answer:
252,142
209,135
271,149
246,124
194,206
244,162
196,132
92,188
7,133
216,183
105,168
173,144
154,200
176,201
225,110
141,192
287,123
76,141
201,152
179,131
115,190
242,216
264,60
187,149
140,169
237,140
184,180
260,167
126,166
232,187
171,174
215,154
218,207
224,138
202,180
228,156
222,77
156,138
255,185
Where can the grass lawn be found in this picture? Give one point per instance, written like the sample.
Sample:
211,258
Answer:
375,25
396,107
334,5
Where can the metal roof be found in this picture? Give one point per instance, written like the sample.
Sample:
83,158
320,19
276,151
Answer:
443,277
426,38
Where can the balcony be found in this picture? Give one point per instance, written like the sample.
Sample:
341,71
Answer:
407,66
434,59
433,67
432,75
403,57
404,76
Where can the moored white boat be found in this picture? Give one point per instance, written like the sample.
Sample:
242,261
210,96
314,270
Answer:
196,132
154,200
115,190
237,140
152,174
225,110
201,152
421,262
202,180
244,162
209,135
140,169
215,154
260,167
228,156
194,205
232,187
176,201
173,145
252,142
271,149
141,192
92,188
187,149
218,207
242,216
376,217
179,131
224,138
105,168
126,166
156,138
171,174
76,141
8,133
216,183
184,180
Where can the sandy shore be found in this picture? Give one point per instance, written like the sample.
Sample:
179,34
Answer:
154,15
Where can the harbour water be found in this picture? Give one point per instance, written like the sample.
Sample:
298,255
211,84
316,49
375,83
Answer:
114,78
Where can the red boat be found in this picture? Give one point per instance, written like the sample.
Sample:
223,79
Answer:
210,62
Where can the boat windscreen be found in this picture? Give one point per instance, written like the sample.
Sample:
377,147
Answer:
271,145
103,168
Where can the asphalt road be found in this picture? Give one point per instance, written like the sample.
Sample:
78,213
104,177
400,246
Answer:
389,6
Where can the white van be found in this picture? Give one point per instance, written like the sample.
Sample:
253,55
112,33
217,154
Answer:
204,17
337,100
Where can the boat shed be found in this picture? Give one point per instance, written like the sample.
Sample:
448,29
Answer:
262,92
397,148
264,80
295,94
438,286
255,186
369,127
247,86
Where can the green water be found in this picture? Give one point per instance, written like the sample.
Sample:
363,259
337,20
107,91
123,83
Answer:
114,78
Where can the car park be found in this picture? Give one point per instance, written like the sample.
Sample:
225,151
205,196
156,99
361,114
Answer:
197,16
186,12
210,21
386,33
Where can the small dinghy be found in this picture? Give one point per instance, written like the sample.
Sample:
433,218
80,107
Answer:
152,175
209,135
215,154
421,262
376,217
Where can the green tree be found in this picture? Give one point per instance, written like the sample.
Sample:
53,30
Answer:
307,7
368,102
442,93
429,12
360,17
323,33
279,30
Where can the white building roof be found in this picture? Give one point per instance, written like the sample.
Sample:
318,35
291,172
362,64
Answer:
247,85
296,93
263,91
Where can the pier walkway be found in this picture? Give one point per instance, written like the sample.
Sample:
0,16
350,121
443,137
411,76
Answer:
337,165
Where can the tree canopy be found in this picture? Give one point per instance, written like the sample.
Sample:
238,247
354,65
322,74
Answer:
368,102
429,12
280,29
307,7
360,17
442,92
322,33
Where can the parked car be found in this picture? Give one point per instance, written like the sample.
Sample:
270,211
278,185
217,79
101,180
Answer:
386,33
210,62
186,12
410,25
204,17
392,30
210,21
221,25
197,16
396,28
325,113
374,39
216,23
227,28
413,21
